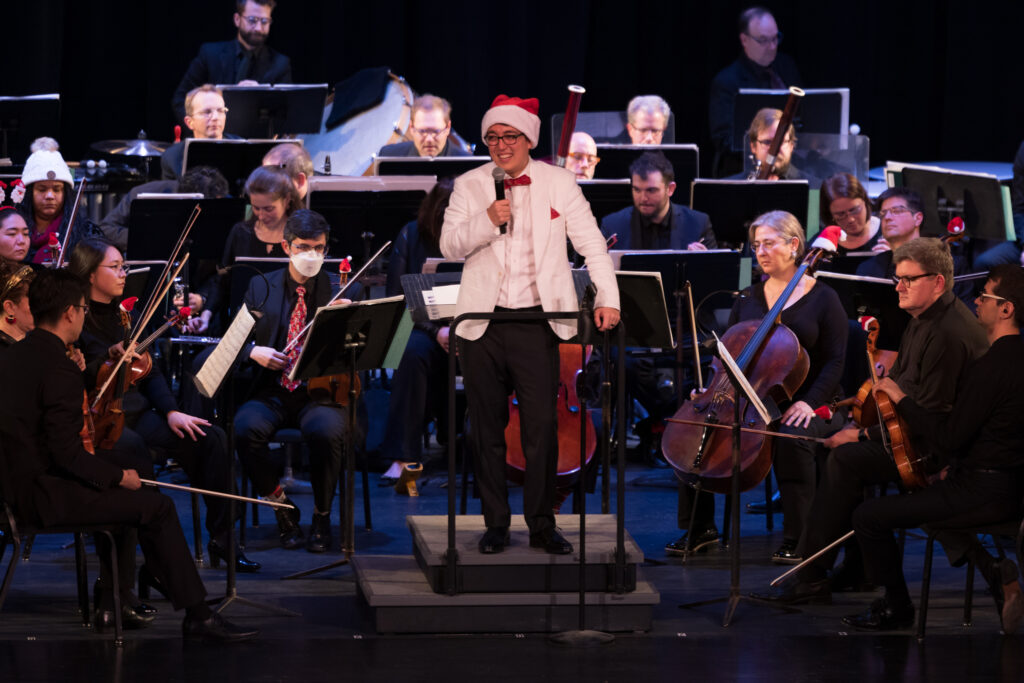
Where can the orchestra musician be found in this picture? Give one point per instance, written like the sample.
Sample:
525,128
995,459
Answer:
16,320
48,183
430,125
984,436
294,160
935,351
246,60
206,116
152,415
762,131
845,202
1010,250
295,293
51,479
516,260
14,235
582,158
815,315
421,379
646,119
760,66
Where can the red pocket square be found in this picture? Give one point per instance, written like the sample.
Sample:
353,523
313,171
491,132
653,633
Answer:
554,214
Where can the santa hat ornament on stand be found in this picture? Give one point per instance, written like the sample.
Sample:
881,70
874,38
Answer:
521,114
11,194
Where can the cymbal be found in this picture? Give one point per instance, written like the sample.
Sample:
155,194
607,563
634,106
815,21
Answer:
140,147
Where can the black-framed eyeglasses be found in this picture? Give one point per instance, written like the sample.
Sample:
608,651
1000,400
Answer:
84,307
508,138
767,40
908,280
257,21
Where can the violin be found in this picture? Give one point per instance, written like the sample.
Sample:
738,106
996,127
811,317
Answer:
571,359
770,356
114,378
88,428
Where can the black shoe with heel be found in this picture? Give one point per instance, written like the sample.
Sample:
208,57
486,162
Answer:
703,540
219,553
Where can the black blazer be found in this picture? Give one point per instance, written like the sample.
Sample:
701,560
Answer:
45,470
270,324
217,63
688,226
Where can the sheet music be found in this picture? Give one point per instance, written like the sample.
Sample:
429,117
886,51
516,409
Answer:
440,301
744,384
211,375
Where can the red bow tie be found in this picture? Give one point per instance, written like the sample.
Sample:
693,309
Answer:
521,180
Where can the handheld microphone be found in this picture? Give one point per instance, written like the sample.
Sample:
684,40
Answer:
499,191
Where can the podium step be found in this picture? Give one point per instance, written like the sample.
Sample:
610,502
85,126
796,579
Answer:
402,601
520,568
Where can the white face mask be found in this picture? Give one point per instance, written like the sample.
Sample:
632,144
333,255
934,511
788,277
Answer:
308,262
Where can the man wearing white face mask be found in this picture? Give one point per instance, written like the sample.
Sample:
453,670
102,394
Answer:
295,293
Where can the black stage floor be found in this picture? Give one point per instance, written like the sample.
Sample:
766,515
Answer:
41,638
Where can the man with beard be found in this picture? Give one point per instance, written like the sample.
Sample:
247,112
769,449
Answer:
246,60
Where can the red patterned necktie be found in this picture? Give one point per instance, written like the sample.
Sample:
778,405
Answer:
521,180
295,325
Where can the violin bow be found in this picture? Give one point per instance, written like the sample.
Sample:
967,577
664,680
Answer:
71,225
154,301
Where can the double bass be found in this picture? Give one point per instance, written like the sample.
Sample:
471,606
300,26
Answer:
770,356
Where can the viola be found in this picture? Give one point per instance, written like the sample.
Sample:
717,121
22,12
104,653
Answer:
770,356
862,405
895,434
88,428
571,359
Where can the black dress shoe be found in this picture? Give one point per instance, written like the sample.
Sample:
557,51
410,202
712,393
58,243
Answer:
288,526
702,542
1005,588
882,616
215,629
760,507
218,554
144,610
319,534
494,540
798,593
551,541
786,554
130,619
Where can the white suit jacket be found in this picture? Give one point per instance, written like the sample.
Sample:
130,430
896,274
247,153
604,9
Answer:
468,233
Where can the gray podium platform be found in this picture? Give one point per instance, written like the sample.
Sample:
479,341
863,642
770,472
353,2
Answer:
520,590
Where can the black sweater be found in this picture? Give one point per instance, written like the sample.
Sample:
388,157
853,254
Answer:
819,323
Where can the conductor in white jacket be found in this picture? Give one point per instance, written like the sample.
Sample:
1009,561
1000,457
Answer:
516,260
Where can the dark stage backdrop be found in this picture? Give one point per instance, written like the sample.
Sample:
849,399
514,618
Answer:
929,79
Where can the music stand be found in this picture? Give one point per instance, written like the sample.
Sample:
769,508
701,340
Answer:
979,198
236,159
267,111
606,196
364,219
439,167
822,110
616,159
862,295
344,340
733,204
23,119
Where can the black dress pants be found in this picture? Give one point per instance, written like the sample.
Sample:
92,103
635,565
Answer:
521,357
973,497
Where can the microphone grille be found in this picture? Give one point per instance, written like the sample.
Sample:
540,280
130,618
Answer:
498,174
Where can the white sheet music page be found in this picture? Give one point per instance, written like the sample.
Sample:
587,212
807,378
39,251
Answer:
440,301
217,366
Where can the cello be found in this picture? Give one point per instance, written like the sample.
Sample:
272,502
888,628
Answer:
770,356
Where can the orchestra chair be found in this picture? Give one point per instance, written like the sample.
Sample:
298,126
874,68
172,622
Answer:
16,530
1013,528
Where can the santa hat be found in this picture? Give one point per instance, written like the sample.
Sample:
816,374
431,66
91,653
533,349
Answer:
46,165
516,112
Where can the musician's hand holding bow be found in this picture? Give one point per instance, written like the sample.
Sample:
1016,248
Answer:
891,389
117,350
799,414
844,435
182,424
130,480
268,357
340,302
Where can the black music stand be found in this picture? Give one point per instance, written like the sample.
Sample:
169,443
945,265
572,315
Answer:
871,296
606,196
439,167
822,110
616,159
733,204
977,198
363,220
23,119
267,111
346,340
236,159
